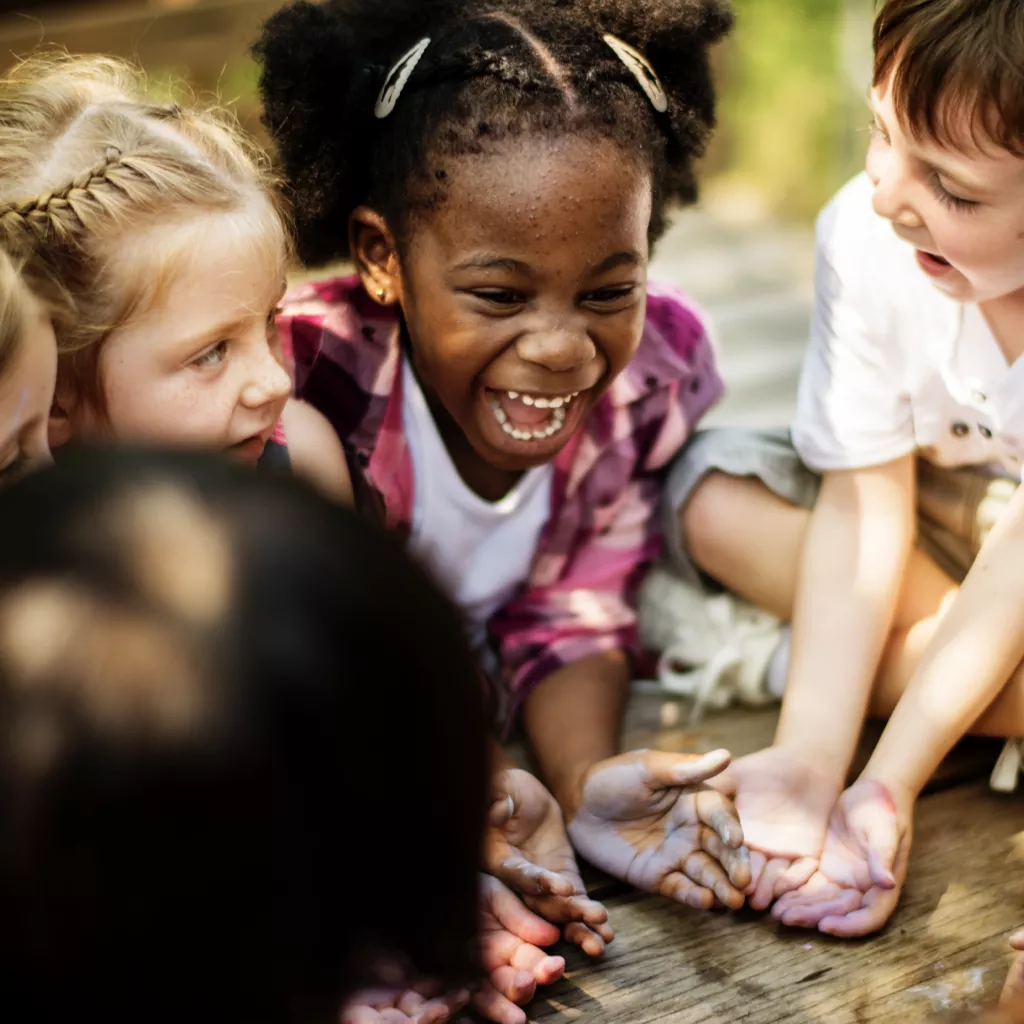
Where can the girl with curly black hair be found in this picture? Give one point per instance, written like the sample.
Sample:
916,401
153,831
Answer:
507,385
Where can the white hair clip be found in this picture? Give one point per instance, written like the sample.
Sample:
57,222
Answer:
641,70
398,78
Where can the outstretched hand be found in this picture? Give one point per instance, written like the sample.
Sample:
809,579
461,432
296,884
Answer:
862,869
1013,990
648,819
511,941
527,848
783,801
402,1006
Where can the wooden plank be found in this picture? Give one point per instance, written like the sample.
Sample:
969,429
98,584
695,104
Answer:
944,951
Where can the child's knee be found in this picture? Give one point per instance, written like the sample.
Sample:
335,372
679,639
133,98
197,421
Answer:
706,521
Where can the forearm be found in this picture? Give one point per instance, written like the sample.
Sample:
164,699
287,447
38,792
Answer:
975,651
852,568
574,719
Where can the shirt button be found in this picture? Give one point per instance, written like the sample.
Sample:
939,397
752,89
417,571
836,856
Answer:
960,429
985,432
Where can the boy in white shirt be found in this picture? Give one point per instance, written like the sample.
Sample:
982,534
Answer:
909,440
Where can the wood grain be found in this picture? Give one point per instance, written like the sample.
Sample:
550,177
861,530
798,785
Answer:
944,950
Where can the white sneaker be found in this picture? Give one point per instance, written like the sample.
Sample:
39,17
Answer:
715,650
1006,774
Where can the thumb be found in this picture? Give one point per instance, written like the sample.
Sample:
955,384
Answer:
726,781
501,811
669,771
876,825
1017,940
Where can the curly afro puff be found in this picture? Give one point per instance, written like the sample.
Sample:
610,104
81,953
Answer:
494,70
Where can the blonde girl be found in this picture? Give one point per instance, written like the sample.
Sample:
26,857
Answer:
160,224
28,369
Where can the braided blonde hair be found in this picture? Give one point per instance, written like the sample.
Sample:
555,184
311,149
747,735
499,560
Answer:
16,307
88,164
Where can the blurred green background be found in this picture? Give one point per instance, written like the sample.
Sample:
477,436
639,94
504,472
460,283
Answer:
792,79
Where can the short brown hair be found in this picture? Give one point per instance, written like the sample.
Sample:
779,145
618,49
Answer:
955,62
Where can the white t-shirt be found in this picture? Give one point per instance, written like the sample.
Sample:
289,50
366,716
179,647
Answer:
479,551
894,366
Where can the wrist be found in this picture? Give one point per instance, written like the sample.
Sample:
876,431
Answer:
815,759
567,786
902,791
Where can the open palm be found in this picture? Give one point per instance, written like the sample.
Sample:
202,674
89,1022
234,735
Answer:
647,819
784,802
528,849
862,869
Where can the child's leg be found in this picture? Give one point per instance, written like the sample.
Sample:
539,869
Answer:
750,540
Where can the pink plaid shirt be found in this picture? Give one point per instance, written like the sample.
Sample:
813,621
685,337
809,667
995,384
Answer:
604,524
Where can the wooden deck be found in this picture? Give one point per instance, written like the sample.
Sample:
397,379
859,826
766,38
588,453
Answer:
944,951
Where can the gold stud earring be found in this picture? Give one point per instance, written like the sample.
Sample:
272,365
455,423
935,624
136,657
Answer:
382,294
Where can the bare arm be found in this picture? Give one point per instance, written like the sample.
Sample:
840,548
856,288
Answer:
853,563
975,651
316,452
573,721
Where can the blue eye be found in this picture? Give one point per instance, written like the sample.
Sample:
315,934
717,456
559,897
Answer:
213,356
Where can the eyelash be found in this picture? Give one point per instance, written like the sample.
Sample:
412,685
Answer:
200,360
510,298
950,200
946,198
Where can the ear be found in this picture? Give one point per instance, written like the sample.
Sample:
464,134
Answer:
375,254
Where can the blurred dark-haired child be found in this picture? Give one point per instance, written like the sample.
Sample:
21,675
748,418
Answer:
221,755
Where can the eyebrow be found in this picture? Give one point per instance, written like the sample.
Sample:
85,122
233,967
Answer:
489,261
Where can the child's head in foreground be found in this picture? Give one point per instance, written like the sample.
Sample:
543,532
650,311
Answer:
236,726
499,170
947,158
28,370
160,225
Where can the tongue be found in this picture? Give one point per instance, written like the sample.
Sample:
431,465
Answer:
523,416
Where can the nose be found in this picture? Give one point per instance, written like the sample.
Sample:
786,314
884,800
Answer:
268,381
559,347
892,187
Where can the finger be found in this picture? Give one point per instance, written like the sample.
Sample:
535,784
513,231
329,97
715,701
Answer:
605,931
676,886
1013,990
515,985
590,941
811,913
513,914
523,876
501,810
726,781
543,968
577,908
764,894
393,1016
410,1003
737,862
705,871
1017,940
798,874
492,1005
876,909
669,771
758,862
360,1015
715,810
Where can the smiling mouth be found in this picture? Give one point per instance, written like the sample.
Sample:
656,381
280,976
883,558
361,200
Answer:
526,417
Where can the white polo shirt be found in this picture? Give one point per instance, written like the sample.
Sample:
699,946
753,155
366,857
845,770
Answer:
894,366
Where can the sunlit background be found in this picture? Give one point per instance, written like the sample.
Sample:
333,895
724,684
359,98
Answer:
793,79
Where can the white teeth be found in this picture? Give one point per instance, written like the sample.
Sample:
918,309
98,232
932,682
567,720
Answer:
499,415
542,403
527,400
512,394
556,403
